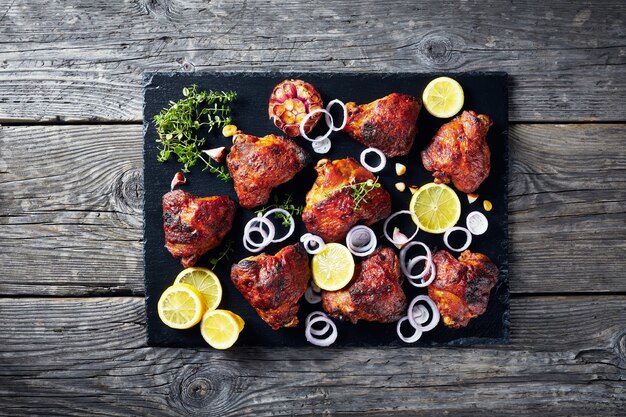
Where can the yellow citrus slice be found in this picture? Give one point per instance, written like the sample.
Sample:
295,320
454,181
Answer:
220,329
443,97
238,319
333,267
205,281
181,306
436,206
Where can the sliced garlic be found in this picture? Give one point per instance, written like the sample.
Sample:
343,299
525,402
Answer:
216,154
400,169
472,197
413,188
487,205
400,186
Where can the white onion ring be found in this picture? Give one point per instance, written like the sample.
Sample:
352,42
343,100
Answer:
411,339
311,297
312,335
315,288
420,316
414,261
292,223
329,121
476,223
433,314
397,213
468,234
307,117
421,283
251,226
321,146
408,246
309,238
379,167
363,247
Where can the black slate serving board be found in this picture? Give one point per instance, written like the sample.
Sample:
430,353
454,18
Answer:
484,93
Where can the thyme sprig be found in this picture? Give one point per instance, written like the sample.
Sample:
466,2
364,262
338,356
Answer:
287,204
360,190
230,247
178,125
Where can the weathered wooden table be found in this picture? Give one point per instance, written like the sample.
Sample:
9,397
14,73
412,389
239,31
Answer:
71,309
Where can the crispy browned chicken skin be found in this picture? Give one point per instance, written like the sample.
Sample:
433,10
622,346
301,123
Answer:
330,208
374,294
274,284
459,151
257,165
461,288
388,123
194,225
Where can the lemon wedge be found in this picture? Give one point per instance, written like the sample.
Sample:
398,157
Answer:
436,207
333,267
443,97
220,328
181,306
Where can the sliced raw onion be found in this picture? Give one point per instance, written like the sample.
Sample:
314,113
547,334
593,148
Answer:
476,223
394,241
311,297
424,317
321,146
361,241
315,288
399,238
256,225
312,243
292,223
308,116
411,339
329,120
313,335
380,166
468,235
418,280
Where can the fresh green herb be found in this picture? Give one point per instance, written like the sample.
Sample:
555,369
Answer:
178,126
230,247
359,191
287,205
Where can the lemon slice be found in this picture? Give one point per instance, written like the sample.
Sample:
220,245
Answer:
443,97
205,281
436,206
220,329
238,319
181,306
333,267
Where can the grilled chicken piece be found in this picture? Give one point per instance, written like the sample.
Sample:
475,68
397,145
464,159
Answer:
259,164
331,210
388,123
274,284
461,288
194,225
459,151
374,294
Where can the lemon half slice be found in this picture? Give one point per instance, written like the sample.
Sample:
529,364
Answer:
333,267
181,306
205,281
436,206
443,97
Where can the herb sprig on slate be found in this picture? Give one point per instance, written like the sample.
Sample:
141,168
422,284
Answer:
287,205
178,125
360,190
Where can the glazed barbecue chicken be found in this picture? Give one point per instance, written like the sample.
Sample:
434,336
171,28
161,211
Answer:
461,288
194,225
459,152
257,165
331,208
274,284
388,123
374,294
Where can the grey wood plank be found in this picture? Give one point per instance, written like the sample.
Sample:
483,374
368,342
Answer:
69,61
70,211
567,357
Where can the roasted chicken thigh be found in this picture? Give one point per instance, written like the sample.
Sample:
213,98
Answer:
374,294
194,225
461,288
257,165
459,152
274,284
331,208
388,123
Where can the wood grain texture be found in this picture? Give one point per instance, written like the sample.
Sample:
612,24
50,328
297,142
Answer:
70,228
80,60
87,355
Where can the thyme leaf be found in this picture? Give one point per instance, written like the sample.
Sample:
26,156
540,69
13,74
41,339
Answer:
287,204
230,247
359,191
